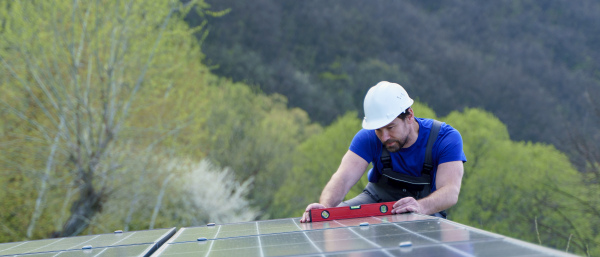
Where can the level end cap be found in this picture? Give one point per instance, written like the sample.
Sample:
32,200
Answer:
86,247
202,239
364,223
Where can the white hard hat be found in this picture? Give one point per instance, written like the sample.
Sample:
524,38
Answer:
383,103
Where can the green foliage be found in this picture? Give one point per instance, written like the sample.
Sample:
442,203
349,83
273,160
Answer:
421,110
316,160
518,189
256,136
128,69
71,83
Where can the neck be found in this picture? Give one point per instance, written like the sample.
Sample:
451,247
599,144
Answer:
413,134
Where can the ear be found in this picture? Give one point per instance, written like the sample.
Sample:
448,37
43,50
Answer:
411,116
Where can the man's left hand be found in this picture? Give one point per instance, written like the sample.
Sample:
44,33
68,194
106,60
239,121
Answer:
406,204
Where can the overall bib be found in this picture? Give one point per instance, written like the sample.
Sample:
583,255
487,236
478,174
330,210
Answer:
392,186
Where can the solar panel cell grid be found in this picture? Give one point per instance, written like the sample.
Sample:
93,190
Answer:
410,252
76,243
426,236
393,235
220,231
121,251
498,248
337,238
246,246
238,230
278,226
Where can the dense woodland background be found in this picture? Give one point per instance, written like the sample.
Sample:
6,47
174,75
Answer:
135,115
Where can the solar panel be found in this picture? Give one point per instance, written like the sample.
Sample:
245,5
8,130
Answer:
136,243
392,235
121,251
278,226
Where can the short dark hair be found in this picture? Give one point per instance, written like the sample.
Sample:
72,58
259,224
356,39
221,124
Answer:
403,115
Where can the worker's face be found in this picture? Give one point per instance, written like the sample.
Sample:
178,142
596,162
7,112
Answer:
394,135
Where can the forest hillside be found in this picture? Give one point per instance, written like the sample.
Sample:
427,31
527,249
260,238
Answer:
535,65
134,115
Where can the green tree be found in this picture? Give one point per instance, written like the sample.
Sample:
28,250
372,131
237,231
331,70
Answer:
519,189
73,72
317,159
108,114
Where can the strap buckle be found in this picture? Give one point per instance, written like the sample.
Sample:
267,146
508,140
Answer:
385,159
427,168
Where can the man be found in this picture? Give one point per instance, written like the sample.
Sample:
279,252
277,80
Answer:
395,141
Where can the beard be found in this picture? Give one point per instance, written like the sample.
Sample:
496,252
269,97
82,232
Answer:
395,147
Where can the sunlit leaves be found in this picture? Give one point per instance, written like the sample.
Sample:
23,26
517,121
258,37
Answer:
510,186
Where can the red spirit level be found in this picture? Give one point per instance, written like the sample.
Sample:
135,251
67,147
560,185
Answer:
348,212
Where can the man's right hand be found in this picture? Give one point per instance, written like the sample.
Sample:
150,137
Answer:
306,215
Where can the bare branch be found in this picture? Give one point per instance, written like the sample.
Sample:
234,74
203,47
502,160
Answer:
20,114
43,187
159,200
144,70
24,117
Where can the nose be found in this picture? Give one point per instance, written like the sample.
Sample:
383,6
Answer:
384,135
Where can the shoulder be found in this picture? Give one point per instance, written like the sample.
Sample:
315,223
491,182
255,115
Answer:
448,132
365,144
364,137
449,145
445,129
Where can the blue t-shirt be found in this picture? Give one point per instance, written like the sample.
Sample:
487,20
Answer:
448,147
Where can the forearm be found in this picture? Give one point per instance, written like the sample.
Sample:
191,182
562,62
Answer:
448,181
334,192
349,172
441,199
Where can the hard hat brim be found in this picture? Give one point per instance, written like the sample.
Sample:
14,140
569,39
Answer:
375,124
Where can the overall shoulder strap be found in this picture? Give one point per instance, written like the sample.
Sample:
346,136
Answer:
428,164
386,160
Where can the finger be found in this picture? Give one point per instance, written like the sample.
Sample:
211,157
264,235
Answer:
407,207
404,209
307,216
399,210
403,201
314,206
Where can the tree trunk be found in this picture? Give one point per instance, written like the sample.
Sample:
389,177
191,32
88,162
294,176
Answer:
82,212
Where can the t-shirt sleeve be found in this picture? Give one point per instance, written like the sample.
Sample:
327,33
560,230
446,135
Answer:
451,147
362,145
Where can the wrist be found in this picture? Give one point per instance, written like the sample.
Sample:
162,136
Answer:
424,206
